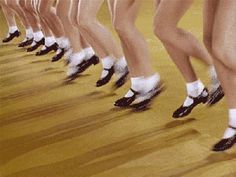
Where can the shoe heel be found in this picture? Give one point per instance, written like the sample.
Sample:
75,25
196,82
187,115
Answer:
18,34
204,100
95,60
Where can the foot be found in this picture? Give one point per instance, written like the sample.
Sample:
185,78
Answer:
141,99
11,36
126,101
186,110
36,45
59,55
225,143
45,50
26,42
122,78
104,80
94,60
74,71
215,96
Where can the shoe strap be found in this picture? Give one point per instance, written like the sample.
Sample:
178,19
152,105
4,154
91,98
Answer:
108,69
192,97
135,92
232,127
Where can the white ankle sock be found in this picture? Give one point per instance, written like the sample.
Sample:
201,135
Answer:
77,58
107,63
38,36
136,84
120,67
50,40
63,42
229,132
29,33
151,82
193,89
12,29
89,52
68,54
120,64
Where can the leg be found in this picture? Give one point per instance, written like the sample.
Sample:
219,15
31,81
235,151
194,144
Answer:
9,15
46,12
133,42
102,41
13,4
143,80
180,58
13,30
223,49
89,23
174,36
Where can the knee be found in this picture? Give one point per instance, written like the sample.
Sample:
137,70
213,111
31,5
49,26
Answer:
162,31
44,12
84,22
29,8
11,4
63,16
207,40
121,26
22,5
223,53
73,19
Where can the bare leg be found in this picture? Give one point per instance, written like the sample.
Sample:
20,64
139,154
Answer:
13,4
63,12
168,32
224,45
88,22
45,9
133,43
143,79
219,28
9,15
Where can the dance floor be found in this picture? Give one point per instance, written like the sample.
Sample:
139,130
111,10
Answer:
52,129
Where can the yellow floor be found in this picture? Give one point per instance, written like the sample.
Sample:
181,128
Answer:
49,129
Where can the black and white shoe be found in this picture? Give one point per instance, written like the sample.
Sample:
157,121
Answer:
11,36
107,78
186,110
215,96
126,101
94,60
84,65
122,79
59,55
45,50
226,143
144,100
26,42
141,100
36,45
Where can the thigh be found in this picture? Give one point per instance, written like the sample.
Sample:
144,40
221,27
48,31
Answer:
127,10
74,11
45,5
224,36
209,12
171,11
63,6
89,8
3,2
